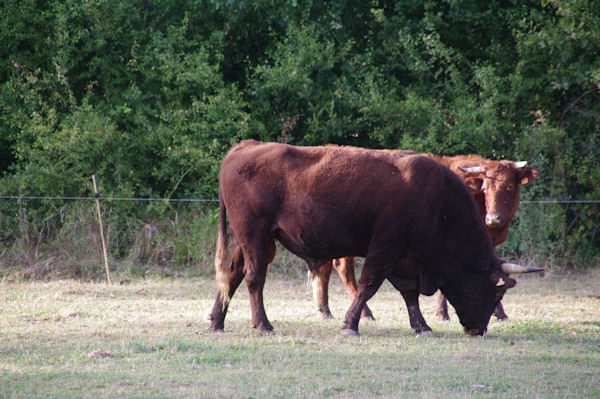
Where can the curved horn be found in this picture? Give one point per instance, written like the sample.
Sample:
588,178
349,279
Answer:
473,169
520,164
512,268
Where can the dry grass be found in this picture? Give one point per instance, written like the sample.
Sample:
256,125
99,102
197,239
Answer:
149,338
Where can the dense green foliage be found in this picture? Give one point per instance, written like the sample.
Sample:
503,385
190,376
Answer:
148,95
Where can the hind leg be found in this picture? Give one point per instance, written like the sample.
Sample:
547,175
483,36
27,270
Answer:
219,311
320,288
257,257
442,307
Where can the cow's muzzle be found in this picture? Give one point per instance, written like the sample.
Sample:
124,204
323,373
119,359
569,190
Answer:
473,332
493,220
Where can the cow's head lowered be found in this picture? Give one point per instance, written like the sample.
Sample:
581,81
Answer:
497,184
475,305
471,276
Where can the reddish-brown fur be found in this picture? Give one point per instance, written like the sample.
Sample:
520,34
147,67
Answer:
412,219
496,191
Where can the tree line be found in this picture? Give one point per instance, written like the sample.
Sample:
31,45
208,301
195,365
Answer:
148,95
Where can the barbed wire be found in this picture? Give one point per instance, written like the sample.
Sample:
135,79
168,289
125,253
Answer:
59,198
24,197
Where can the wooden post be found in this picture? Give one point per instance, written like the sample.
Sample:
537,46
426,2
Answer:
97,196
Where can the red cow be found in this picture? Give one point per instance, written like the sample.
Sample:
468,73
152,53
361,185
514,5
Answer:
495,186
412,219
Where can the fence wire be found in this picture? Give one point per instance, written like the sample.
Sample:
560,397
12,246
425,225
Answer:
18,197
24,197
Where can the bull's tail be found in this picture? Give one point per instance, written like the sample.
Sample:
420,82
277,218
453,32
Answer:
223,271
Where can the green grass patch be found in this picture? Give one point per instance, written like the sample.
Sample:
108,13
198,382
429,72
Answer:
150,338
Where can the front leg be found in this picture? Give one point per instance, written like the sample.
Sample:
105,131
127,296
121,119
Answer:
417,322
410,292
369,283
499,312
345,268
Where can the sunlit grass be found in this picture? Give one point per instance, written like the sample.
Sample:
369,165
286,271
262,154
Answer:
150,338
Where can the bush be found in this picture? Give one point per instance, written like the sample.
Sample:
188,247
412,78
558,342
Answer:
149,95
176,240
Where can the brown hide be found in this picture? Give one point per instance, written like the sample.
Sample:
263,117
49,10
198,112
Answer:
412,219
496,191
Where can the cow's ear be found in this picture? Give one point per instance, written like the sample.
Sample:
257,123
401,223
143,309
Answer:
474,183
502,281
527,175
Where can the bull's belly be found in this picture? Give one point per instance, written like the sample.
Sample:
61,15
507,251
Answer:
318,247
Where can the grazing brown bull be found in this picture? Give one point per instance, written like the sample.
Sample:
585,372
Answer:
495,186
412,219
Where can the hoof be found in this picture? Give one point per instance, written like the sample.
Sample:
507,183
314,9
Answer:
348,332
325,315
502,320
366,314
426,334
443,317
264,329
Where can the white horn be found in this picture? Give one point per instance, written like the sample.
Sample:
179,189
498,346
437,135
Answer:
474,169
520,164
512,268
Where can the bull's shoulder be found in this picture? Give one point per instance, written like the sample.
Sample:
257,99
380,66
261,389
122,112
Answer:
420,169
253,149
246,144
416,160
251,158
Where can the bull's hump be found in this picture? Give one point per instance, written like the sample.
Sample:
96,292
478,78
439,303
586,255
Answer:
245,144
419,170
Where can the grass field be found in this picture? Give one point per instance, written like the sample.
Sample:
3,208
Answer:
149,338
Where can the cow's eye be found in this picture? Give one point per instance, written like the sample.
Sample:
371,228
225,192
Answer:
510,187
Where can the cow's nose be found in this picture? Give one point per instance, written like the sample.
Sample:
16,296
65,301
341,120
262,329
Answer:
493,220
473,332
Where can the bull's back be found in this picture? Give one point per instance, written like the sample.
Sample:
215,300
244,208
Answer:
314,193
